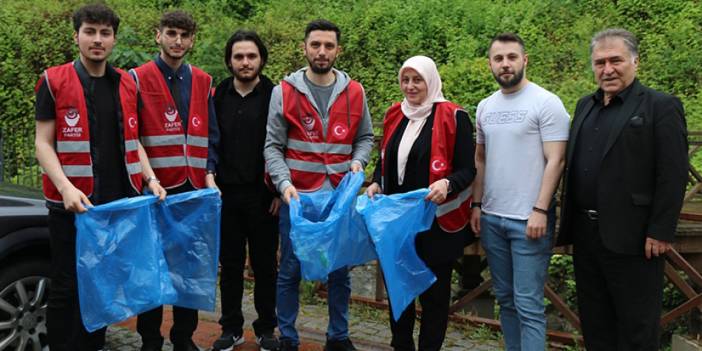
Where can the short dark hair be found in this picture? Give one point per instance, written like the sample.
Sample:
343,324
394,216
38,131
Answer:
95,14
626,36
178,19
507,37
322,24
245,35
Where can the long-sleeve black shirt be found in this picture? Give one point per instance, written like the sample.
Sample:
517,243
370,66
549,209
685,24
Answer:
242,124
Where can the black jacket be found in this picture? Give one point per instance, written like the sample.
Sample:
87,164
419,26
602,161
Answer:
643,172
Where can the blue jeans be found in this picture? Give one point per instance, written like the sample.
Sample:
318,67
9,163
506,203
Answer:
518,266
287,292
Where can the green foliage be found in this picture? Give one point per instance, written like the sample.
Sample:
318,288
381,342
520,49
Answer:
377,36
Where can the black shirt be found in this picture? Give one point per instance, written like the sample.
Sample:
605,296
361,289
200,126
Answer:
242,124
589,147
111,181
434,246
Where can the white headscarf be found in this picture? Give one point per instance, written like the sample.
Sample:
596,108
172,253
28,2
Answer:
427,69
417,114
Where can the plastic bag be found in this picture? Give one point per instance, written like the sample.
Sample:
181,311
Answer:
327,233
393,222
135,254
190,231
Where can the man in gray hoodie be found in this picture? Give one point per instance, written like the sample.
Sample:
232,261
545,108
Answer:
318,129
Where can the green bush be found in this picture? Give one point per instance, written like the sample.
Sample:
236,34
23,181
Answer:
377,36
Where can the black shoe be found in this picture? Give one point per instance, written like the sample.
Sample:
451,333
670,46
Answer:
227,341
285,345
189,345
268,342
339,345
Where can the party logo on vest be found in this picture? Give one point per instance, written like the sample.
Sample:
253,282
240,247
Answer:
307,122
72,116
340,130
170,113
438,165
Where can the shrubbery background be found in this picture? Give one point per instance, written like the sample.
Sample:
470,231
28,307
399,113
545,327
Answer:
377,36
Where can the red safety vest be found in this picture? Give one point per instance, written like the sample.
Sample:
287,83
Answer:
73,132
310,155
452,214
174,156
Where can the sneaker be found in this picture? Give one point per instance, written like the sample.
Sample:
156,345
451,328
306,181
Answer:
268,342
339,345
227,341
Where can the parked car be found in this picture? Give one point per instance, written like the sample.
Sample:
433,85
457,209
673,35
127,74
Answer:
25,264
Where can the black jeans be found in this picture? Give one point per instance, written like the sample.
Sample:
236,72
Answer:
65,327
619,295
435,306
246,220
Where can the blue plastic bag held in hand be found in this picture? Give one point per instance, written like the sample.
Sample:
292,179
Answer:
326,232
121,270
189,224
393,222
136,254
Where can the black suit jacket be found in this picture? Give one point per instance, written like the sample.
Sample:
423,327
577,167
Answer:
641,184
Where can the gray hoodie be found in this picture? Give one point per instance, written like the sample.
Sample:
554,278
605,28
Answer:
277,129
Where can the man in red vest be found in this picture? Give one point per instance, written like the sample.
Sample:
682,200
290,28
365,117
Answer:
87,144
319,128
179,132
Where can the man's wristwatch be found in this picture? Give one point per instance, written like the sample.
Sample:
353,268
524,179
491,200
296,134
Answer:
449,187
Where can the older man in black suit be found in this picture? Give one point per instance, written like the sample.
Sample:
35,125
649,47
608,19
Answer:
625,177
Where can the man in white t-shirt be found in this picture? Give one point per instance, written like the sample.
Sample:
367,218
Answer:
521,140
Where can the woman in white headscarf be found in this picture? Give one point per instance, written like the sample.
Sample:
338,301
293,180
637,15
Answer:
427,142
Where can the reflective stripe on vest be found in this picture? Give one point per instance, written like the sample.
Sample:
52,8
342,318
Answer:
163,140
305,146
77,171
72,146
315,167
455,203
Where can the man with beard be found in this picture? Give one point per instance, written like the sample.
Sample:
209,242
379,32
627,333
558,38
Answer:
249,208
180,135
622,194
87,144
522,131
319,128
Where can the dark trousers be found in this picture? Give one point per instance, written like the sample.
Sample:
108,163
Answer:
65,327
619,296
246,220
435,306
184,325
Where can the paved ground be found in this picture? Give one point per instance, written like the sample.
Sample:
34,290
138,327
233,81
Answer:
369,331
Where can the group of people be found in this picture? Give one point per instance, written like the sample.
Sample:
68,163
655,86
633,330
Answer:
104,134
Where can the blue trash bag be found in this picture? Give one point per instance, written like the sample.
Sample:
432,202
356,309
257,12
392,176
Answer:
393,222
190,232
327,233
121,270
137,254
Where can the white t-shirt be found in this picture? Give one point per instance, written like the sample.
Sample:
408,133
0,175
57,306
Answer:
513,128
